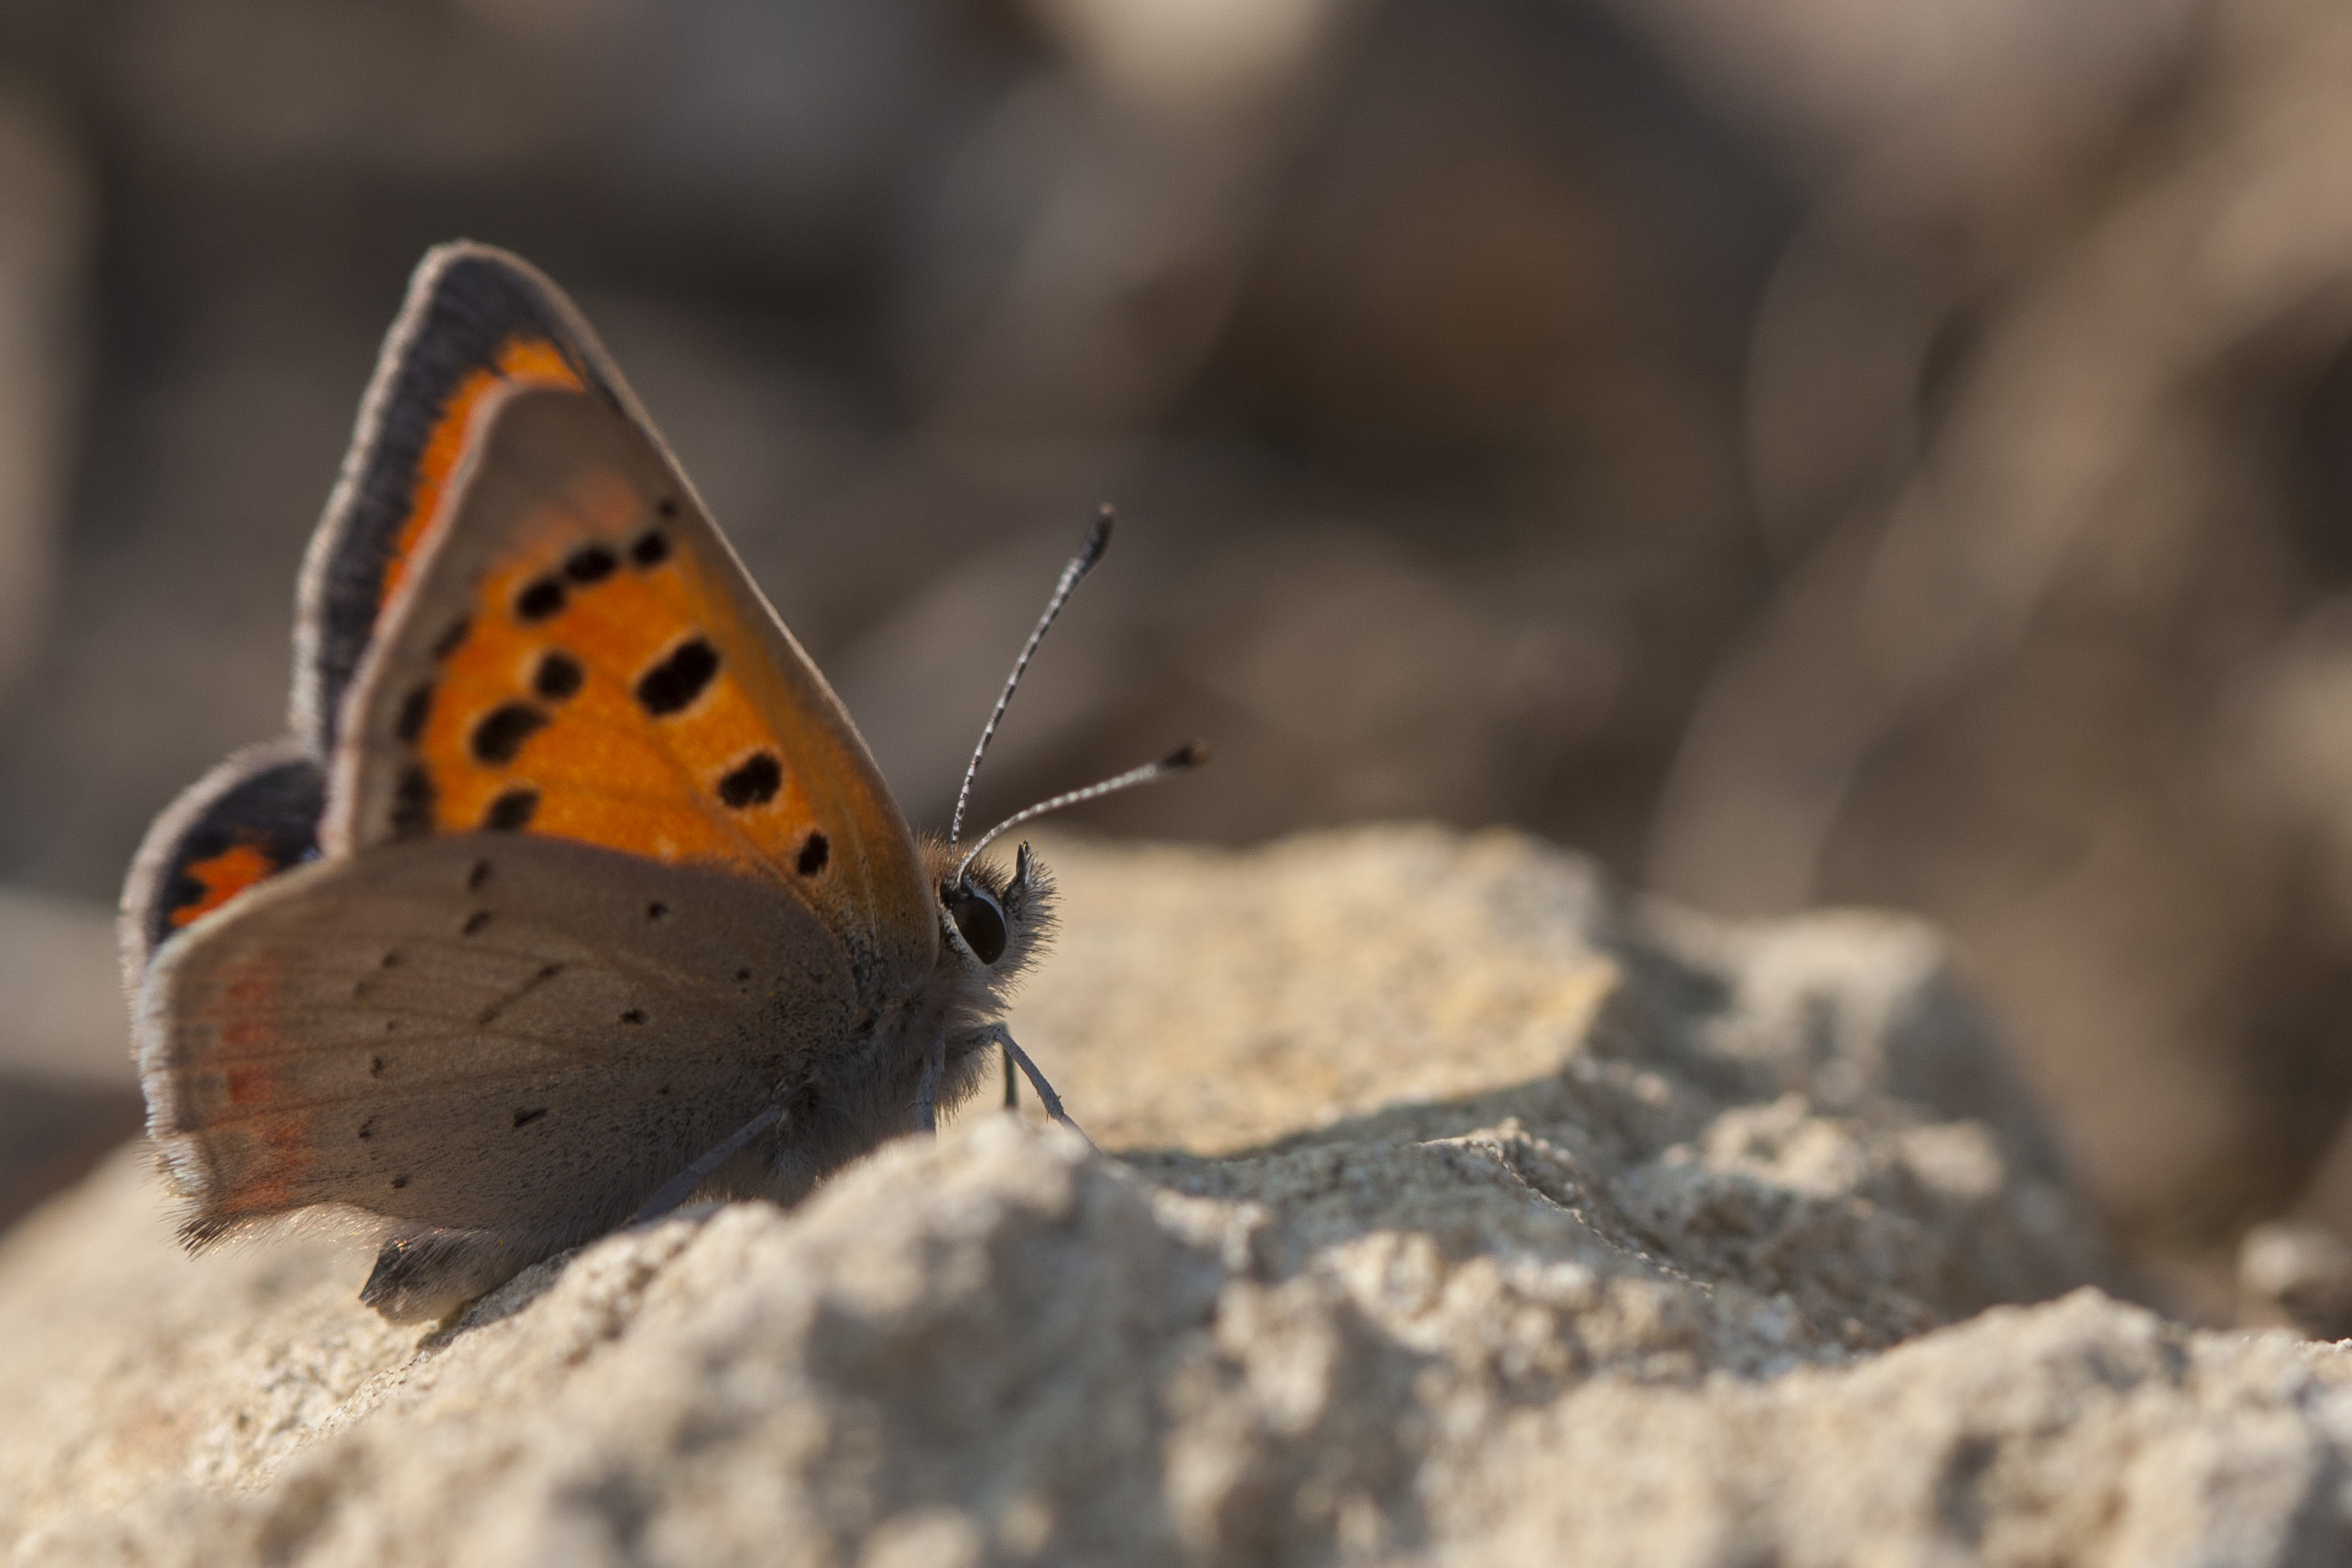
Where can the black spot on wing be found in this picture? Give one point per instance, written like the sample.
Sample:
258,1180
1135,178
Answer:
558,677
414,708
815,852
412,803
677,677
591,563
511,812
540,599
753,783
502,730
652,547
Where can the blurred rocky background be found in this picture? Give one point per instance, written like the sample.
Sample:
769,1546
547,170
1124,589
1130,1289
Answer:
1799,452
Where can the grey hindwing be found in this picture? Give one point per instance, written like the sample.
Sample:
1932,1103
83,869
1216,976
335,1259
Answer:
487,1032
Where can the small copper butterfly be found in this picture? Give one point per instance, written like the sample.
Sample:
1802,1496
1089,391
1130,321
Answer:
573,892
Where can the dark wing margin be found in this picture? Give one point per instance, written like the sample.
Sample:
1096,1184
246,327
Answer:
247,820
474,318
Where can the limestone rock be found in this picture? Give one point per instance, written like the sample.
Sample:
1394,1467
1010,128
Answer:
1456,1208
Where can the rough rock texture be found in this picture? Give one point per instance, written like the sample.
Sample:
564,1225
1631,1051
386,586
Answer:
1457,1210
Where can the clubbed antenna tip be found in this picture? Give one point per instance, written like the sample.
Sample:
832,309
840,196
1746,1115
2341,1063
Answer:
1183,759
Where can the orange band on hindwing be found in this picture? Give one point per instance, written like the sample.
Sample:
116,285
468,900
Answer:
240,824
223,876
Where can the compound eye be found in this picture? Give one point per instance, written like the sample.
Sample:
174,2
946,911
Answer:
981,921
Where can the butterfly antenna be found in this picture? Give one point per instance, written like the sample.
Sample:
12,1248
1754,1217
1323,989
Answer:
1184,759
1080,564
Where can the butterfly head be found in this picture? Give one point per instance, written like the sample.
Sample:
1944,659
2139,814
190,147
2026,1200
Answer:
992,922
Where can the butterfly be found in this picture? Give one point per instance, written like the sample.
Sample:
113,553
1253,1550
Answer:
572,892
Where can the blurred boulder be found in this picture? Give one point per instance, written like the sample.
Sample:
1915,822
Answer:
2044,656
2294,1274
1833,82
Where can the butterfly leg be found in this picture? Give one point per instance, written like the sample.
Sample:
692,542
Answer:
680,1187
927,1096
427,1271
1012,1080
1015,1056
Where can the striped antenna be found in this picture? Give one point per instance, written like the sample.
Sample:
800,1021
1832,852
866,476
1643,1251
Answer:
1184,759
1080,564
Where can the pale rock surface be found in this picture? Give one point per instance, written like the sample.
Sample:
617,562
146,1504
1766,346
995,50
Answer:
1457,1209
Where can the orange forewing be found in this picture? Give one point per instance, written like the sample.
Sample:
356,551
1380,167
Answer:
604,772
568,543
